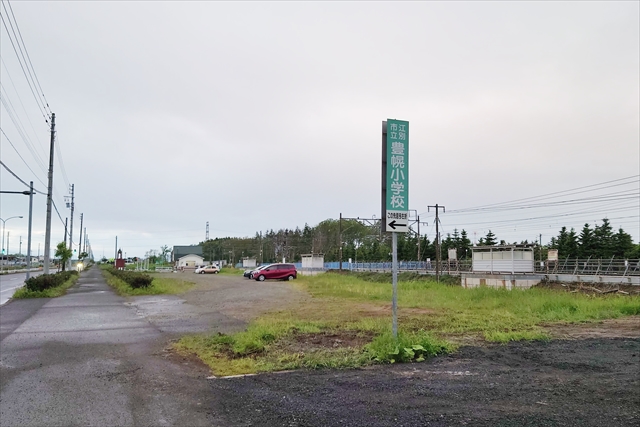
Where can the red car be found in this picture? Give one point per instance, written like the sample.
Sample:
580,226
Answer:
276,271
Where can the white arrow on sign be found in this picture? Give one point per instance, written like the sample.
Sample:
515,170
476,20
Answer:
393,224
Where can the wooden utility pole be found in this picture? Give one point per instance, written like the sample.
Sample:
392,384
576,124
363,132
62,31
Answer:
47,235
80,241
340,249
437,207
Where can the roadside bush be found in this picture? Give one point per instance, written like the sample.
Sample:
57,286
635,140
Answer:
132,278
47,281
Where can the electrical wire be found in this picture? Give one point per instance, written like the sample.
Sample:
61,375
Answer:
9,109
29,58
34,174
22,104
20,179
38,102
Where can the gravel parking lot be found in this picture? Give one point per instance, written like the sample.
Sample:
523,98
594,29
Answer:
589,377
217,303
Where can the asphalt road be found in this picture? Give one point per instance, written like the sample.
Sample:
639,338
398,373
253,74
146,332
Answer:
87,359
10,282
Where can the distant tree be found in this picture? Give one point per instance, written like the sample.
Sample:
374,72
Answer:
64,254
465,244
603,240
587,242
164,251
83,255
490,239
623,245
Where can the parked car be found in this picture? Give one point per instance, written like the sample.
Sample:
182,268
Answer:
208,269
276,271
249,273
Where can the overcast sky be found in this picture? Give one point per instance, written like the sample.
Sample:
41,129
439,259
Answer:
257,116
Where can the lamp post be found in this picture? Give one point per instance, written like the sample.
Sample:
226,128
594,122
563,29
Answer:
3,230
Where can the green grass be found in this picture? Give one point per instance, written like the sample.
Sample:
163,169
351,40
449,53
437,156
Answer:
57,291
160,285
231,271
433,317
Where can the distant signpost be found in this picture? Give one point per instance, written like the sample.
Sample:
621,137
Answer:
395,193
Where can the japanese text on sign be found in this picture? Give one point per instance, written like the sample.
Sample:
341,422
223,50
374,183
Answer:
397,165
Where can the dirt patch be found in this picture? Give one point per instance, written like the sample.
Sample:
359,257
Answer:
592,288
626,327
558,383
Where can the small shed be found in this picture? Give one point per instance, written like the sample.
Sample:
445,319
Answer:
248,262
313,261
503,259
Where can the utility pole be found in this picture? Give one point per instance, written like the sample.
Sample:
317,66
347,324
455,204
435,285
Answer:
71,222
85,240
206,238
20,247
437,240
80,242
29,235
340,249
47,236
66,220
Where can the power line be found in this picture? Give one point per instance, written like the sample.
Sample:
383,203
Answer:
23,136
29,58
556,194
21,103
27,164
20,62
18,178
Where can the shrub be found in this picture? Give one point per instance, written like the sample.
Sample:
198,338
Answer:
47,281
133,278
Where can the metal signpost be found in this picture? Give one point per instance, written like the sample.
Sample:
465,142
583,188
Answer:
395,193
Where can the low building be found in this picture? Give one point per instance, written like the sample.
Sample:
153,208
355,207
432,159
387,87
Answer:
503,259
189,261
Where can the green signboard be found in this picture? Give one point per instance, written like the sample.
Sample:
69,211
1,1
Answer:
397,176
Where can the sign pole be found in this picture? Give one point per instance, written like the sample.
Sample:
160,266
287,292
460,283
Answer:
394,270
395,194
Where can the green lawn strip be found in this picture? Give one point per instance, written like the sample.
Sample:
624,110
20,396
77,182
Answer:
54,292
431,316
231,271
160,285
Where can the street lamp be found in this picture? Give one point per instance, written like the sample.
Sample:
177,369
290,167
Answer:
3,229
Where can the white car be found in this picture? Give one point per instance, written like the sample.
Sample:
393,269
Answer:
207,269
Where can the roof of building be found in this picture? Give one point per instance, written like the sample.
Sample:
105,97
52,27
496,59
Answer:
180,251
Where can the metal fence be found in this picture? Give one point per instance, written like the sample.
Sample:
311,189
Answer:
602,267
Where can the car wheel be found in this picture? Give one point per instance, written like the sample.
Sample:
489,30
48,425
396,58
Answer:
202,272
215,272
290,277
261,278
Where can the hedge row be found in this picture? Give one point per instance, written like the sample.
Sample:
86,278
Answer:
132,278
47,281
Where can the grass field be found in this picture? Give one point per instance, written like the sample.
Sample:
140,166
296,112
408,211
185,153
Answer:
161,285
347,323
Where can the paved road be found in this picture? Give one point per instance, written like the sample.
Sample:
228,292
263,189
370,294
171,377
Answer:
88,359
10,282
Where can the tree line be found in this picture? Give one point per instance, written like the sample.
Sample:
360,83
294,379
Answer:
366,243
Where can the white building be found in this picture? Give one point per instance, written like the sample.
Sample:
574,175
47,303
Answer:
503,259
189,261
